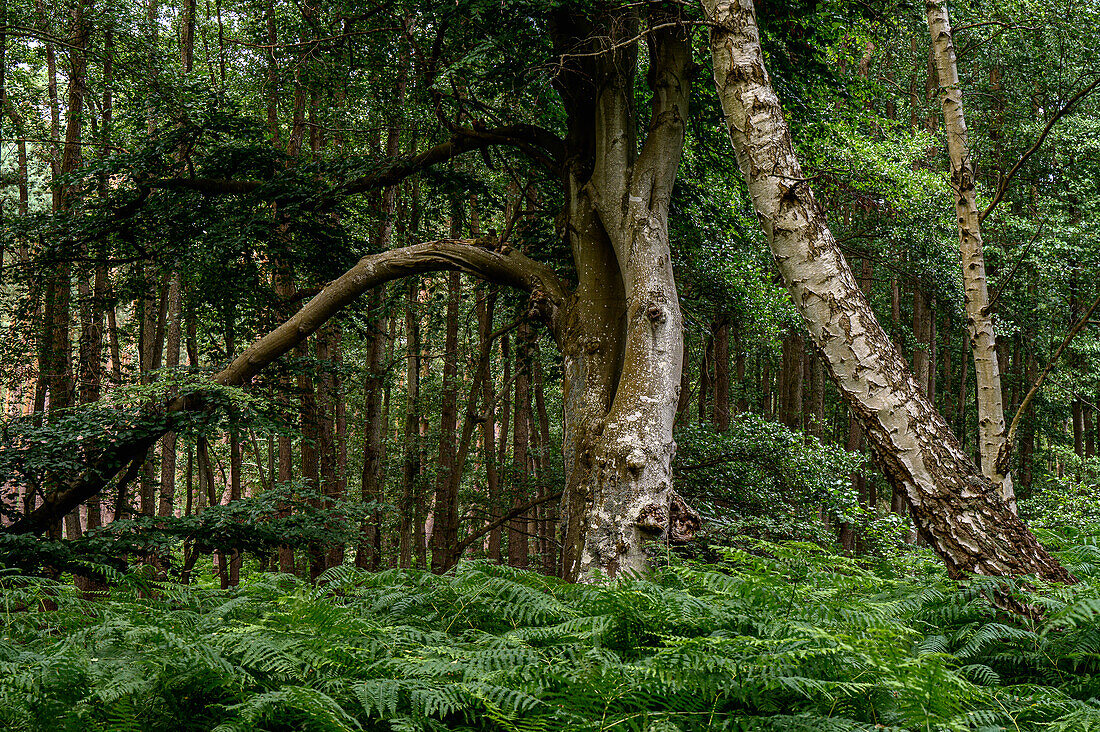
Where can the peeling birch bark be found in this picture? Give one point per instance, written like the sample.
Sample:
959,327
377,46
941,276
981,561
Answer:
958,510
996,451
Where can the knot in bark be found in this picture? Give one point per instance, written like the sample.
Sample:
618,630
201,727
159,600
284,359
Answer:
684,521
540,308
655,313
676,521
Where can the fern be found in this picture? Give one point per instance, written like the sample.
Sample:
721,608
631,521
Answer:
777,637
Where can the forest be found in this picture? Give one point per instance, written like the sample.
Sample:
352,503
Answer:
595,365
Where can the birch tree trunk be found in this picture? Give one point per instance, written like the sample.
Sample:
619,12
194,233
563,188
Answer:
957,510
983,342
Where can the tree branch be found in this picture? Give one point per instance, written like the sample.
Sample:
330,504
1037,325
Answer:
1011,436
1066,109
463,545
540,144
504,266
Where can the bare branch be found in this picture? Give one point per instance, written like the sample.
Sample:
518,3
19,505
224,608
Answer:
540,144
1011,437
1002,187
463,545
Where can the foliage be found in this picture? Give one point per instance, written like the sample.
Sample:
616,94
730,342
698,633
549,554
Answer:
287,515
763,480
777,636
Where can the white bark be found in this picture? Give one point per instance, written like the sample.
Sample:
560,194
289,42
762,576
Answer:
958,511
983,345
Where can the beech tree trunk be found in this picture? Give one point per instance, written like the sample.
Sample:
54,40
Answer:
623,343
995,451
956,509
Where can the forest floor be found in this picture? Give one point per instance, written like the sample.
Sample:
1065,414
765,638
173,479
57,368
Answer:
775,636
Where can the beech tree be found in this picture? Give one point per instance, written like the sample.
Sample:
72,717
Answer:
605,142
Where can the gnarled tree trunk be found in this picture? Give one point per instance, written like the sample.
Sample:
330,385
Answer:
623,341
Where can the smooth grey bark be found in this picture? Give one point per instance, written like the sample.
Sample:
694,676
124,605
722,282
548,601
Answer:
623,342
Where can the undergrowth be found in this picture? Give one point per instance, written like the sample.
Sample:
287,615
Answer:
776,637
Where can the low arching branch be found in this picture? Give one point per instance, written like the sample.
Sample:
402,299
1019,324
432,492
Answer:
501,265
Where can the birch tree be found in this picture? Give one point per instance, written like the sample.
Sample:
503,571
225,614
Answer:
959,511
979,318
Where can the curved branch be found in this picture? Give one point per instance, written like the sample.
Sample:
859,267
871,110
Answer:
1066,108
504,266
540,144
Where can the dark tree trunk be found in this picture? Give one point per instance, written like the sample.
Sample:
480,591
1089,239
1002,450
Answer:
445,529
410,481
505,479
722,374
518,543
369,553
486,304
326,437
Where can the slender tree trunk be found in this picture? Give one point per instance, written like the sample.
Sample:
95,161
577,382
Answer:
326,438
369,554
505,479
683,401
548,524
817,399
739,361
957,509
58,298
518,542
922,333
991,421
172,361
309,450
445,530
486,303
722,374
410,482
706,363
792,370
1077,413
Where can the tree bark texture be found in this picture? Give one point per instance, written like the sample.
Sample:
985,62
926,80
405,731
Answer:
995,451
623,344
957,510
